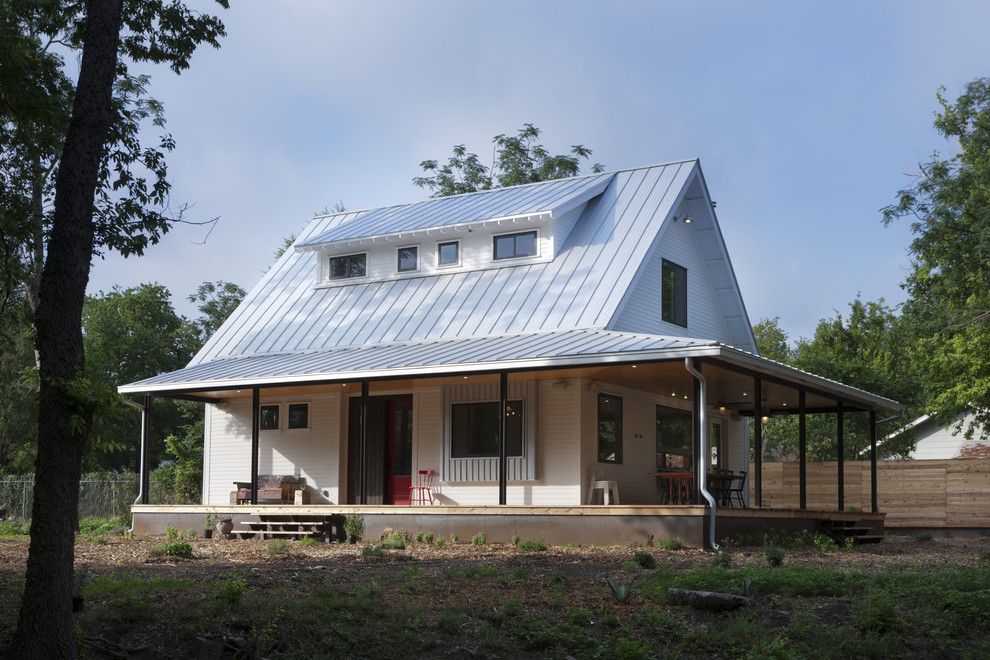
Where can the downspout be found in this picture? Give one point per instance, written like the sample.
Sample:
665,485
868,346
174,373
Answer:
703,446
140,495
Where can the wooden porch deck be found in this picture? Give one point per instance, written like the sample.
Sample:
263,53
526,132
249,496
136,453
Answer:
558,525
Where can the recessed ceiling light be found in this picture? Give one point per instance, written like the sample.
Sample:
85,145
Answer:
745,393
634,366
465,377
688,220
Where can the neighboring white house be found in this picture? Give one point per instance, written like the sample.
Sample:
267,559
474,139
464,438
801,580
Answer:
942,441
586,294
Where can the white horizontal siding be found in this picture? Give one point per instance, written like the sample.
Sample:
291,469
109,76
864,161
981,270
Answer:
312,453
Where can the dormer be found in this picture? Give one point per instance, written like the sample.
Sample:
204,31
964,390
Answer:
494,229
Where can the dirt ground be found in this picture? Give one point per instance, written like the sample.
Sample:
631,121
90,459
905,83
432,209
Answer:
492,600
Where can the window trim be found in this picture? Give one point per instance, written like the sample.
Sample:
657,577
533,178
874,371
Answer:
309,410
398,259
673,321
619,431
536,243
278,417
331,257
522,430
453,264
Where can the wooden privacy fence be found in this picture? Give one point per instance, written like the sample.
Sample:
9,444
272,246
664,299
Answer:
946,493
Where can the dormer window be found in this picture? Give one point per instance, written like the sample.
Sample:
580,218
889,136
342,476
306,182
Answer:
348,265
408,259
449,253
511,246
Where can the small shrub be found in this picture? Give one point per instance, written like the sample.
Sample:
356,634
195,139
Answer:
824,542
307,541
878,615
230,591
630,566
924,538
630,649
668,544
849,544
173,549
478,539
191,534
722,559
438,543
774,555
278,547
531,545
644,559
394,539
420,537
171,534
430,539
372,550
354,527
14,528
453,539
622,591
515,539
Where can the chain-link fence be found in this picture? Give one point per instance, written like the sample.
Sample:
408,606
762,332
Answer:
100,496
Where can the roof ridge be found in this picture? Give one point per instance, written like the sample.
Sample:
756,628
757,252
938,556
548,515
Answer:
516,186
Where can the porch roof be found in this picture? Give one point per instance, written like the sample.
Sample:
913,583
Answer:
516,352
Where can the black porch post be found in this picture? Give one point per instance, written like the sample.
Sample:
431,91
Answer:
840,442
503,404
803,450
700,462
255,445
758,440
874,506
363,444
145,467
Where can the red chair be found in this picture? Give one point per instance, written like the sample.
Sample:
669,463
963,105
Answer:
421,490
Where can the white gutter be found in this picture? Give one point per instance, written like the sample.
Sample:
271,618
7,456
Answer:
139,407
702,466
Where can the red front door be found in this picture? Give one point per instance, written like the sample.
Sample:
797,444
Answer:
398,451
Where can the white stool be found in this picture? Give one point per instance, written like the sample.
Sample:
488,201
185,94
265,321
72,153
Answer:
610,489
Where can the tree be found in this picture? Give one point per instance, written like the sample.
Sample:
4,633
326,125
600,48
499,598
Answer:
155,31
516,159
215,302
772,340
948,307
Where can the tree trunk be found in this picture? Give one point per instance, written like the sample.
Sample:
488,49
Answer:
45,627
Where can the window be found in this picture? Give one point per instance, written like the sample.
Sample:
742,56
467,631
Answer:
673,303
474,429
298,416
269,418
509,246
408,259
675,434
348,265
449,253
609,429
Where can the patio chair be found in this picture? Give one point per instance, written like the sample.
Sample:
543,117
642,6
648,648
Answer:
610,489
421,490
736,486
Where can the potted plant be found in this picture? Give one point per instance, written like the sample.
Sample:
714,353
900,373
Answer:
208,524
354,528
79,582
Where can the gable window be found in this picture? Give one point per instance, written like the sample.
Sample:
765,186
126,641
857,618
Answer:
474,429
510,246
298,417
408,259
449,253
609,429
673,293
269,418
348,265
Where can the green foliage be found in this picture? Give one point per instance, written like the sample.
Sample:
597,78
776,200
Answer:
478,539
372,550
877,613
307,541
277,547
622,591
531,545
948,306
515,539
517,159
453,539
172,533
668,544
394,539
103,525
354,527
15,528
173,549
774,555
722,558
229,591
644,559
824,542
215,301
773,342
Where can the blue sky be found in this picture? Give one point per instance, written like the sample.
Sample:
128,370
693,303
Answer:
806,117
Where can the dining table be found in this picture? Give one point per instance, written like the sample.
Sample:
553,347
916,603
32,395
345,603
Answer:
675,487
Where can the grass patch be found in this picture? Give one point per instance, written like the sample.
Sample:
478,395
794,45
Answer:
307,541
478,539
13,528
277,547
532,545
179,549
668,544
